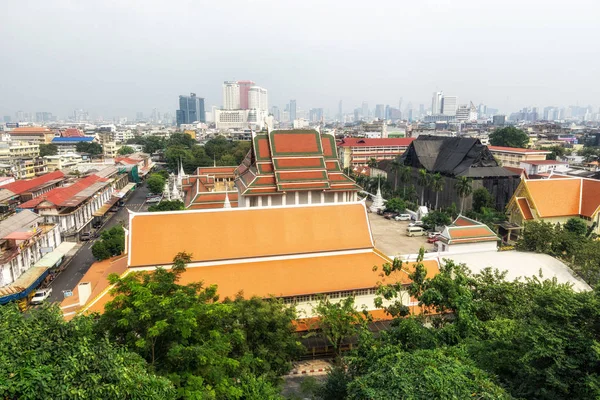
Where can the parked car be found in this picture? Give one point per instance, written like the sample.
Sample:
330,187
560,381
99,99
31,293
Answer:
433,234
433,239
85,236
415,231
390,215
41,295
416,223
402,217
154,199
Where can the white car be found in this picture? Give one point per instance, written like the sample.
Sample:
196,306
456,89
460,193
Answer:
402,217
433,234
41,295
416,223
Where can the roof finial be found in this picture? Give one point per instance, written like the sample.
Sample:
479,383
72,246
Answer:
227,203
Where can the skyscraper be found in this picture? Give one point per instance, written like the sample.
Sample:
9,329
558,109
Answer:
292,110
436,103
380,111
191,109
365,110
231,96
244,93
449,105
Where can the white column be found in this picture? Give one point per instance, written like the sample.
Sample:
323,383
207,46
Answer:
248,202
310,197
284,199
297,198
322,197
260,201
269,201
335,197
355,196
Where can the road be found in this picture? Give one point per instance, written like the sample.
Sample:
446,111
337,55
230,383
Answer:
79,264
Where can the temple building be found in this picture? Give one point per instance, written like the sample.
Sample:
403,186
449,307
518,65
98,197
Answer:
297,253
292,167
282,168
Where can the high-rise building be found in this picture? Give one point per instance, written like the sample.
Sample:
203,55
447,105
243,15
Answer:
191,109
7,118
462,113
315,114
436,103
365,110
244,93
380,111
275,113
449,105
231,96
139,116
257,98
421,110
43,116
292,110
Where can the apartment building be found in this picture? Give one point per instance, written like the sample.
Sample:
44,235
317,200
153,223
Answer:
514,156
358,151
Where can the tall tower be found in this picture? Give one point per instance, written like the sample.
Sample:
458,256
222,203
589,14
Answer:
231,96
244,89
436,103
191,109
292,110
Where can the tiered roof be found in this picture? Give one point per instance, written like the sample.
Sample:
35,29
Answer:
292,160
199,190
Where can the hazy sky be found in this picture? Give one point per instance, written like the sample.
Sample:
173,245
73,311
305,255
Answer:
116,57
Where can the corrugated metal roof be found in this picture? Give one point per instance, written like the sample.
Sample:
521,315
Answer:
72,139
17,221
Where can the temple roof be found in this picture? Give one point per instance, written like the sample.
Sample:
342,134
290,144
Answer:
292,160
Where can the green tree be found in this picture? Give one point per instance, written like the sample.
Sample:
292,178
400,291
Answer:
91,148
181,139
536,236
423,374
423,181
167,205
227,160
174,155
396,165
124,150
111,243
40,349
156,183
437,185
338,321
436,218
577,226
509,137
372,163
556,152
405,174
48,149
395,205
482,199
203,346
152,144
464,188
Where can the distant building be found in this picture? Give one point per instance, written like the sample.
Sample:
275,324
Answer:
68,145
379,111
292,110
244,94
191,109
462,113
449,105
315,114
32,134
231,95
514,156
544,167
358,151
499,120
436,103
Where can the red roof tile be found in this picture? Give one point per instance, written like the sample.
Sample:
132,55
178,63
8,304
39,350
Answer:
544,162
23,186
525,209
62,195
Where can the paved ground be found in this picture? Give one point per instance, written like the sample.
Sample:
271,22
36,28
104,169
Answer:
390,237
83,259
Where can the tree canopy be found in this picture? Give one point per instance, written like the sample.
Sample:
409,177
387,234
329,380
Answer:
110,244
45,357
124,150
509,136
48,149
91,148
156,183
167,205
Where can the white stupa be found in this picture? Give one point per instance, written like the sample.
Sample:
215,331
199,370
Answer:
166,191
378,200
175,192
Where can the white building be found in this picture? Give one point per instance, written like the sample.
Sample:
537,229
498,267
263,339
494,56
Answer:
231,95
465,235
449,105
462,113
436,103
544,167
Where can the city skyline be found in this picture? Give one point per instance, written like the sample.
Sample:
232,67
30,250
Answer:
121,64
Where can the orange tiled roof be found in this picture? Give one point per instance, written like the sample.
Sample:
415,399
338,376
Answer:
30,130
555,197
590,197
461,220
155,238
524,208
466,230
517,150
285,160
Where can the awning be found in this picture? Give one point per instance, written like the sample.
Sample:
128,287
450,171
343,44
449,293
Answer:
50,259
32,278
125,190
105,207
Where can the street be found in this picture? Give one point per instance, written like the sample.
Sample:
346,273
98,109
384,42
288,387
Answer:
78,265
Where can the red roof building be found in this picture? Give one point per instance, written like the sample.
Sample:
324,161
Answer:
210,187
359,151
72,132
32,134
293,167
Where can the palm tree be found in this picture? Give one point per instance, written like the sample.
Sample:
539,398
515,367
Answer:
437,184
405,174
396,168
423,181
372,162
464,188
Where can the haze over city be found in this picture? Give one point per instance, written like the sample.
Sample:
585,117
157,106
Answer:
120,57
